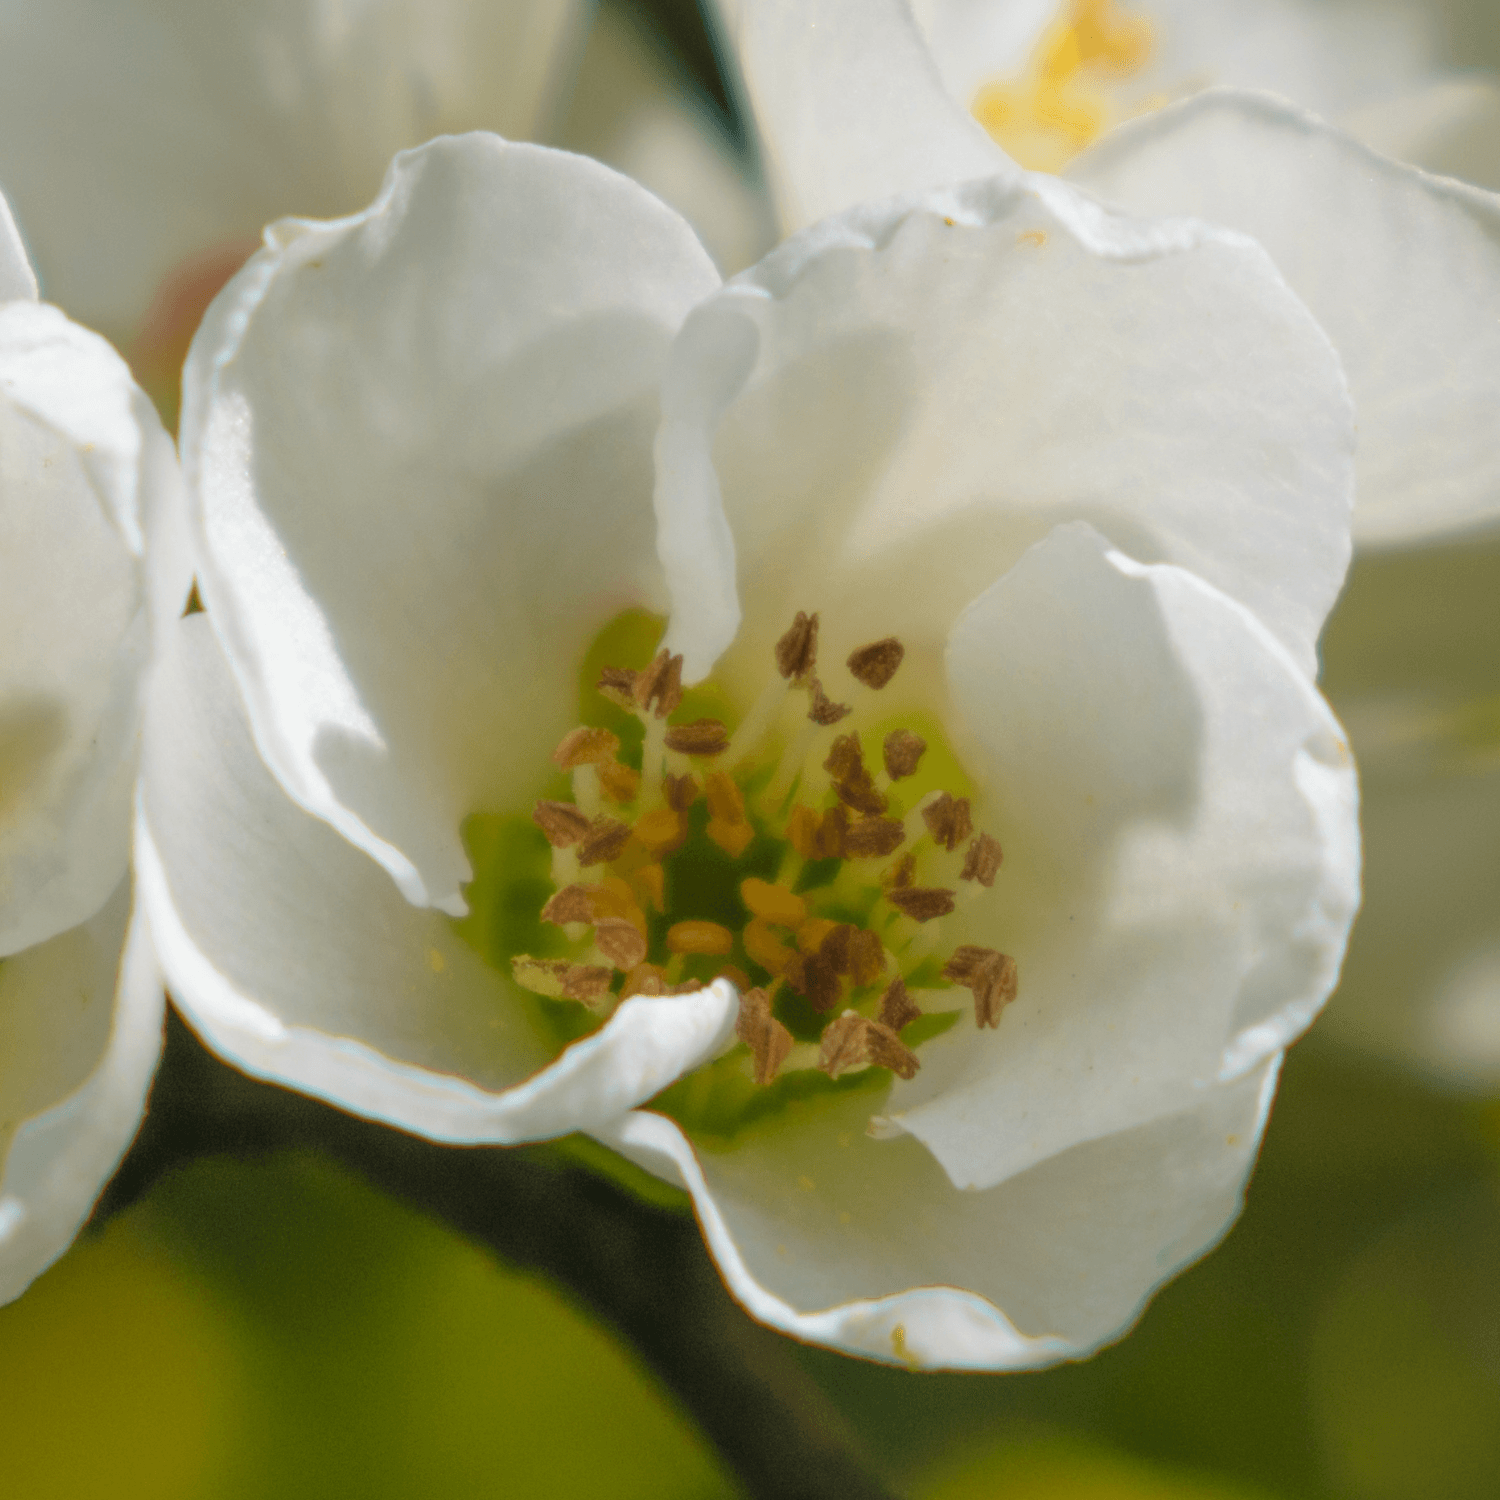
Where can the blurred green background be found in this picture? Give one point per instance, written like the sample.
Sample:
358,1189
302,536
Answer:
278,1329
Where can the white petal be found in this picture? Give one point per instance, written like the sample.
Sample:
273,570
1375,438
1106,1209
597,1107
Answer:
866,1246
80,1032
298,960
1178,811
133,136
635,109
85,469
1451,127
899,401
17,279
1401,269
849,104
418,443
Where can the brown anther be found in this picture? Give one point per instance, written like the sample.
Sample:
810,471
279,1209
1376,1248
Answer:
773,902
562,822
620,942
766,947
845,759
586,983
618,685
812,975
903,752
619,783
797,650
901,874
921,902
948,820
699,937
835,947
821,709
866,957
851,1041
982,862
680,791
832,831
573,903
897,1008
606,840
873,838
990,975
701,737
861,793
659,685
875,664
768,1040
660,831
585,746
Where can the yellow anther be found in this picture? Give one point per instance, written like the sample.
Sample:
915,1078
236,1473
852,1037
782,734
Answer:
651,884
660,830
773,902
612,897
732,838
727,825
810,934
699,937
766,946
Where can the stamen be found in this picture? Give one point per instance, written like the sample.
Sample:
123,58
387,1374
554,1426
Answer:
620,942
901,874
990,975
982,862
813,976
700,937
873,838
765,946
702,737
604,842
618,685
797,650
852,1041
903,750
866,957
680,791
651,881
948,820
773,902
585,746
897,1008
619,783
851,781
660,831
563,824
660,684
822,710
768,1040
874,665
921,903
728,826
574,903
586,983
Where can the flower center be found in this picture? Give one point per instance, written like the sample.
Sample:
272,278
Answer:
809,863
1061,103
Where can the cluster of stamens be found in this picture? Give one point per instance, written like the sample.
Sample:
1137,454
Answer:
829,944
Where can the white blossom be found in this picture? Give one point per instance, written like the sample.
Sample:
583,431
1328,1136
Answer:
1085,479
86,473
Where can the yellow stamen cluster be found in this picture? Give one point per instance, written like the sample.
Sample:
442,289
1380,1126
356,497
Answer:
819,939
1060,103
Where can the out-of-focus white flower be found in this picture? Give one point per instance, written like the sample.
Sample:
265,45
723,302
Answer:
85,472
1049,77
1395,265
1070,493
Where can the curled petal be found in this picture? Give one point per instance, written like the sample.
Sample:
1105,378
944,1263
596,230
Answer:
298,960
1401,269
864,1245
418,446
71,1095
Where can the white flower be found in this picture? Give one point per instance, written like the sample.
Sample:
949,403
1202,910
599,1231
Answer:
1093,477
1048,77
85,472
1397,266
